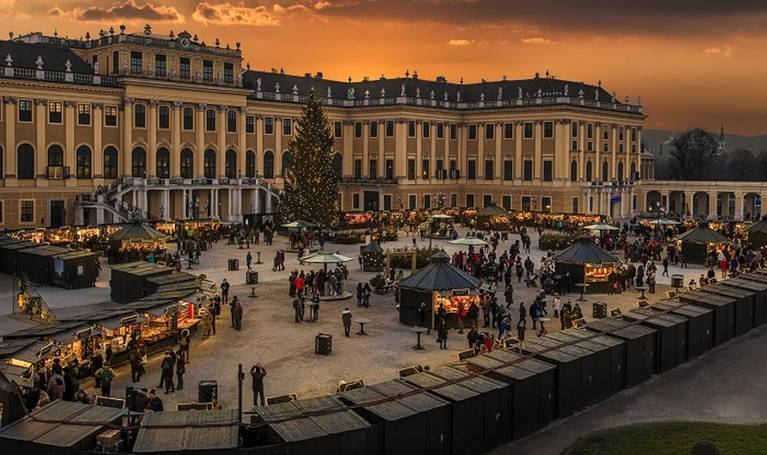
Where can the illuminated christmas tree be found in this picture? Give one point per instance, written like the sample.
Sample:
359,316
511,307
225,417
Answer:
311,182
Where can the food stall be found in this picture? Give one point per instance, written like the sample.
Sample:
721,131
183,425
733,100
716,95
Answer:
438,283
493,218
373,257
587,263
698,243
166,227
757,234
66,341
136,239
468,217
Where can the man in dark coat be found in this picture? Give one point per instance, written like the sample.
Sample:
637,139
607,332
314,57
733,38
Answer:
257,373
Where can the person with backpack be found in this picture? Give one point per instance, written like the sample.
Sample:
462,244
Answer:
105,375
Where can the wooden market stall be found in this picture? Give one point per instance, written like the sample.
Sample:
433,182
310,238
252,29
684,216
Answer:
61,427
373,257
61,267
210,432
587,263
493,218
9,253
128,280
698,243
439,283
135,240
757,234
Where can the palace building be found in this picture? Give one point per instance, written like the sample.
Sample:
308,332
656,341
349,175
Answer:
97,130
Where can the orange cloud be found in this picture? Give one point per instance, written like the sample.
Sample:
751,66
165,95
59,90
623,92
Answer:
459,42
724,51
537,40
228,14
129,11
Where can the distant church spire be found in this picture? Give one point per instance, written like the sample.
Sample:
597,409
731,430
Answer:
722,140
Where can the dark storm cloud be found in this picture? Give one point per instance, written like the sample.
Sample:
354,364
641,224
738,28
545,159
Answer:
669,17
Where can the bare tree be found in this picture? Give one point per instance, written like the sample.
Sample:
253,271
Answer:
693,155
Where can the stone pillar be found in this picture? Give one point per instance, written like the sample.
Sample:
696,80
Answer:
175,154
268,202
582,149
365,149
98,153
689,203
41,149
259,145
518,151
199,129
242,143
712,197
221,128
257,201
739,206
537,160
185,209
498,153
480,152
151,130
10,141
69,140
165,204
127,148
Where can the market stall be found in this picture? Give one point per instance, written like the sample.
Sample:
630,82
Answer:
65,341
166,227
493,218
373,257
439,283
60,267
698,243
757,234
135,241
586,263
128,280
9,252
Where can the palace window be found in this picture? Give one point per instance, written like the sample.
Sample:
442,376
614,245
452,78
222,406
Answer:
411,128
136,65
472,132
110,115
548,130
231,121
508,131
574,129
187,164
160,65
389,169
188,119
425,169
489,170
209,164
337,130
287,126
250,124
357,168
83,162
389,128
228,73
110,163
210,120
55,112
471,170
548,171
508,170
358,129
411,169
527,170
163,117
27,214
528,130
207,71
440,130
139,116
250,164
373,168
25,162
230,164
489,131
373,129
163,163
453,131
184,68
84,114
25,111
426,130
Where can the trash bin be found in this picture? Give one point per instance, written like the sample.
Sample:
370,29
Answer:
599,310
234,265
251,277
207,391
323,344
677,281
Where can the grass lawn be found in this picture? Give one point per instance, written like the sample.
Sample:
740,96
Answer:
672,438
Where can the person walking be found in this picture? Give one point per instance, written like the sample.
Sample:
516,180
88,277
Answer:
185,342
249,259
360,294
257,374
346,318
181,357
366,292
166,375
237,308
297,309
442,334
225,291
105,375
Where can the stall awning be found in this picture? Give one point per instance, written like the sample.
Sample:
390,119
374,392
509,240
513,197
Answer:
703,234
584,251
137,231
60,433
440,275
188,431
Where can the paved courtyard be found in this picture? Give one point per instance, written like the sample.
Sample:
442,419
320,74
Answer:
286,349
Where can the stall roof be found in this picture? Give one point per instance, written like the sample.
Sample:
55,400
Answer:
56,330
492,210
336,422
137,231
10,347
295,429
584,251
56,431
75,254
46,250
759,226
703,234
140,268
420,401
388,410
174,278
439,275
373,247
188,431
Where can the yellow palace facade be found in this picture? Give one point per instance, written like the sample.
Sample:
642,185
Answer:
106,128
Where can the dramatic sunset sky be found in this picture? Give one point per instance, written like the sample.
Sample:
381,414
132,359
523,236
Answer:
695,63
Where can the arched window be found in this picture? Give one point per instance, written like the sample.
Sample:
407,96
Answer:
250,164
338,162
187,164
163,163
84,162
574,171
110,163
605,171
55,156
589,171
268,164
287,160
25,162
620,171
230,165
209,164
139,163
633,174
